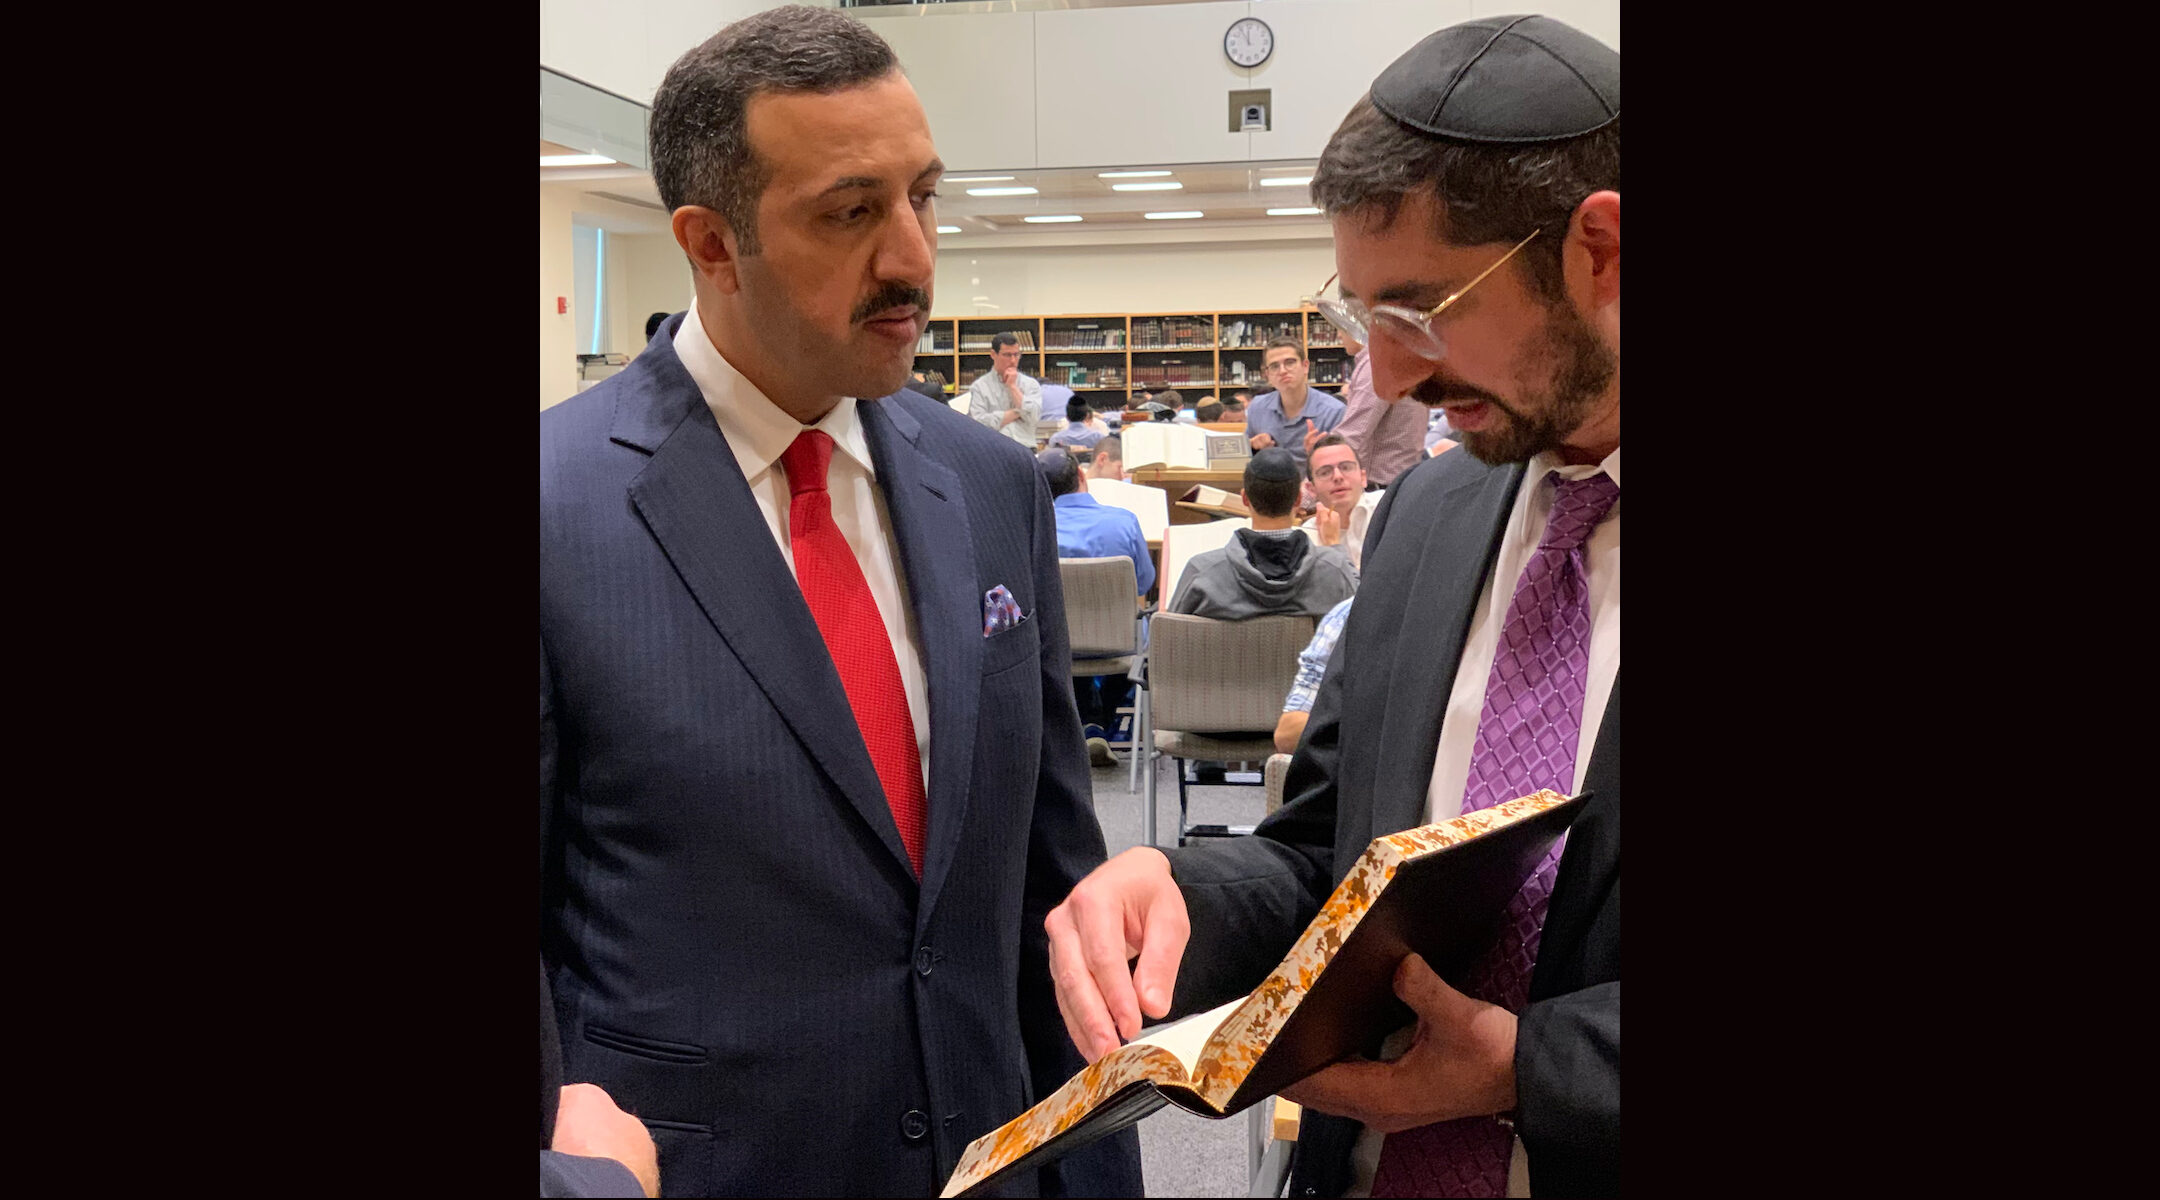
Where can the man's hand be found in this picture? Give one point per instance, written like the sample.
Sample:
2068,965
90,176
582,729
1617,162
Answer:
588,1124
1262,441
1313,433
1329,525
1009,416
1462,1063
1126,906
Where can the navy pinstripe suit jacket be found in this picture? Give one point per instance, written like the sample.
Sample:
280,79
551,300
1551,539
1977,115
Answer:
739,951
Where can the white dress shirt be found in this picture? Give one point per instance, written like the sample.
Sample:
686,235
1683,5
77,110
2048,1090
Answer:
759,432
1466,701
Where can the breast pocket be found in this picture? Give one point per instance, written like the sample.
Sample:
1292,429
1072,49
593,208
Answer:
1009,647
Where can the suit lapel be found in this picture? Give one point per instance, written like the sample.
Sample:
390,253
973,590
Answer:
694,499
1585,891
1419,684
937,558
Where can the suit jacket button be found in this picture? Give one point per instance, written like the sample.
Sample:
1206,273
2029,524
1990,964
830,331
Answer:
922,961
914,1125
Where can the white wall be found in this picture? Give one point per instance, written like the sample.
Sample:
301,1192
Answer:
558,343
626,46
656,278
1075,87
1150,85
1208,277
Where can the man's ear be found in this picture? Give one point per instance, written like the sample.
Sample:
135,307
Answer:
1595,227
712,247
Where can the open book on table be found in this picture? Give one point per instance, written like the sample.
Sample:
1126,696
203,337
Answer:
1437,891
1215,500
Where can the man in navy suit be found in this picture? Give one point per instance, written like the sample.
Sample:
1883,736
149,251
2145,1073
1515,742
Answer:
811,776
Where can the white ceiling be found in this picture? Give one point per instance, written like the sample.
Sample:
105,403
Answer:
624,200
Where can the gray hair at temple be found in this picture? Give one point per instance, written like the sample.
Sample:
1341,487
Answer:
1488,193
699,132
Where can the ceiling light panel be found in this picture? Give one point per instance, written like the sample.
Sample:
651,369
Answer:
948,229
1050,220
1292,212
1288,181
1011,191
1146,187
575,160
1173,216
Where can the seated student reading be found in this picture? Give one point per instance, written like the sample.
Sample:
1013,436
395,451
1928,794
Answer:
1272,568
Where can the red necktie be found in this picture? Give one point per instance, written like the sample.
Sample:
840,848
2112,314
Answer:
854,631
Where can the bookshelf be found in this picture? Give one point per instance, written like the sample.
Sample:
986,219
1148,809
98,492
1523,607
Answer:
1106,357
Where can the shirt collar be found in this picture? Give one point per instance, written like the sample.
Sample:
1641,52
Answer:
1079,500
757,430
1548,463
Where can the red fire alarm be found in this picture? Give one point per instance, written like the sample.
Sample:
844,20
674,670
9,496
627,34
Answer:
562,304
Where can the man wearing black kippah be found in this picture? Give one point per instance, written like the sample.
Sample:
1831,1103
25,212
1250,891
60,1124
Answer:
1271,569
1475,198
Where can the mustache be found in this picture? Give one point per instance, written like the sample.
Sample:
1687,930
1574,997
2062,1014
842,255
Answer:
891,295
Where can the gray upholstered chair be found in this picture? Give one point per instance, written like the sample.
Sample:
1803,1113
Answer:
1102,621
1215,691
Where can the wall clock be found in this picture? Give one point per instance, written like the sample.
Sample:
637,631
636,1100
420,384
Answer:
1249,41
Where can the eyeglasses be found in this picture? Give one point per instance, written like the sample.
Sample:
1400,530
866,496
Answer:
1274,367
1410,328
1333,469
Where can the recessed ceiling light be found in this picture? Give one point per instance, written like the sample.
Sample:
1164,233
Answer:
975,178
1145,187
1048,220
1292,212
1176,216
1128,174
1011,191
956,228
1287,181
575,160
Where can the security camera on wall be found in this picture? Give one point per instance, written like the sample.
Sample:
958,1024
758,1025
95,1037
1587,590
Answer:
1254,119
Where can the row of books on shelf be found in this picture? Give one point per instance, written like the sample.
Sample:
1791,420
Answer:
1085,337
1172,333
973,341
1251,335
1073,375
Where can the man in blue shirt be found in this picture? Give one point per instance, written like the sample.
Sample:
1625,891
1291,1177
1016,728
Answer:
1081,430
1089,529
1292,413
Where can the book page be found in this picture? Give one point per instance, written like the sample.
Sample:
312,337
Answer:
1186,1038
1165,443
1150,504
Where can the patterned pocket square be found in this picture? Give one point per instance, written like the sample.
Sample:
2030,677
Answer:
1000,610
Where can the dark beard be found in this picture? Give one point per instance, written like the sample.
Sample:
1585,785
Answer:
1585,368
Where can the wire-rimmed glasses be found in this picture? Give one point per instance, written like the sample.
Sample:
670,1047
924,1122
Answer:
1408,327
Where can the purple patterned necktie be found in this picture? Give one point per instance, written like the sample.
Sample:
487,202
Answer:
1526,740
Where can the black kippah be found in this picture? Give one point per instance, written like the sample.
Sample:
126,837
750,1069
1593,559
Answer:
1504,79
1273,463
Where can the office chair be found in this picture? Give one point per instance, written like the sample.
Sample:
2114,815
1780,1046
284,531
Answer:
1215,691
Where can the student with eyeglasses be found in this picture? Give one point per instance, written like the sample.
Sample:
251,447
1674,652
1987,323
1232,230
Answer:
1342,506
1287,416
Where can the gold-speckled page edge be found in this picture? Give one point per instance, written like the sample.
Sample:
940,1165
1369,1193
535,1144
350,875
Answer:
1064,1108
1247,1032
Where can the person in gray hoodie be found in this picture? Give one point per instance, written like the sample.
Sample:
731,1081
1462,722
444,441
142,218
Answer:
1271,569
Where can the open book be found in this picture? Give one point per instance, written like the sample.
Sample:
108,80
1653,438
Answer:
1437,890
1164,443
1215,500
